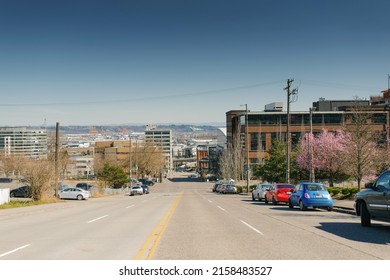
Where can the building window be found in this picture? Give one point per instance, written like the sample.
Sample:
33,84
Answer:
254,141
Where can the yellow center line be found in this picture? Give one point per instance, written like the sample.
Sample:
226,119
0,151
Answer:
155,237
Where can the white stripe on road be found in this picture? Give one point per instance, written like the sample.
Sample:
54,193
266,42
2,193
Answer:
13,251
130,206
94,220
252,228
221,208
210,201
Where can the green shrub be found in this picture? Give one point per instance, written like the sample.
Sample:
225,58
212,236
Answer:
335,191
239,189
345,191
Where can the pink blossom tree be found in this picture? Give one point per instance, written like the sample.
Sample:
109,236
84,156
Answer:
323,153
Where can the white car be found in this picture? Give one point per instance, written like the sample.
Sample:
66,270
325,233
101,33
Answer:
136,190
74,193
259,192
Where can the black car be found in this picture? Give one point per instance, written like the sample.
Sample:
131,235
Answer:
145,188
6,180
24,191
84,186
374,201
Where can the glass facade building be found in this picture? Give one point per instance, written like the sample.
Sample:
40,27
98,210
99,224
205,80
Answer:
23,142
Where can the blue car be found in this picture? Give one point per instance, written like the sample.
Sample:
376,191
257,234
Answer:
309,194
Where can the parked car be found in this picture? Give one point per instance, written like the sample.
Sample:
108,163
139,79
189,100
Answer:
24,191
309,194
74,193
137,189
145,189
374,201
6,180
148,182
222,188
216,185
259,192
193,175
219,188
279,192
84,186
230,189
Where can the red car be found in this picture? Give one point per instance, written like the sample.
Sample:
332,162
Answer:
278,193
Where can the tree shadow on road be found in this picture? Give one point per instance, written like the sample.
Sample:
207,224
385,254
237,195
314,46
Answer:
376,234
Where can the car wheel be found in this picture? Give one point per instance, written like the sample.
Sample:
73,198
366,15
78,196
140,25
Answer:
79,197
253,197
274,201
12,195
365,218
329,208
265,200
302,206
290,204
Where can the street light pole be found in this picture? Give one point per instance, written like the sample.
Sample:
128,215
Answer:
247,147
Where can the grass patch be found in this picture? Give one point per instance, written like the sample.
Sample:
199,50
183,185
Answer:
16,204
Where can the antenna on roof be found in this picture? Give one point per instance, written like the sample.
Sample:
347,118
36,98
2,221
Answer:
44,123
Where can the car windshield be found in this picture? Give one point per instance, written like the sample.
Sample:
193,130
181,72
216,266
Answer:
316,188
265,186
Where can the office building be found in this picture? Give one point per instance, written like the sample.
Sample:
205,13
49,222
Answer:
23,142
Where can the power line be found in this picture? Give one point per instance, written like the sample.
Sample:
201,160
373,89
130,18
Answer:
185,95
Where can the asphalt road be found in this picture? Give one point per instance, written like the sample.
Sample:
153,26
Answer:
182,219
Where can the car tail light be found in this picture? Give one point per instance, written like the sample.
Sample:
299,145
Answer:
307,195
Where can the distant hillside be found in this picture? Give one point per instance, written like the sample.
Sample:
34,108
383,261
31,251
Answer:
176,128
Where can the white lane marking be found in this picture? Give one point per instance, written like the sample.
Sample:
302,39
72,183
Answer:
221,208
94,220
210,201
130,206
252,228
13,251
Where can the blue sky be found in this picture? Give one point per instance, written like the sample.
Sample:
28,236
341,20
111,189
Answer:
189,61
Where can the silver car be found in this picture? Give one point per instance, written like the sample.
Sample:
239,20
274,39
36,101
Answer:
259,192
136,190
230,189
74,193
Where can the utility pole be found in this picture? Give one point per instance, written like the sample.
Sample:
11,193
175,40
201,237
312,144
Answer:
292,96
56,164
312,175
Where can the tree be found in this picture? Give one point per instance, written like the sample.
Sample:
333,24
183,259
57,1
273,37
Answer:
39,175
231,161
324,151
11,165
113,175
274,168
360,144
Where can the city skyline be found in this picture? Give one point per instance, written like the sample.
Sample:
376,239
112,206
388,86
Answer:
138,62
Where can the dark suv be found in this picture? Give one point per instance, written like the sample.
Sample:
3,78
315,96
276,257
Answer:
84,186
374,201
